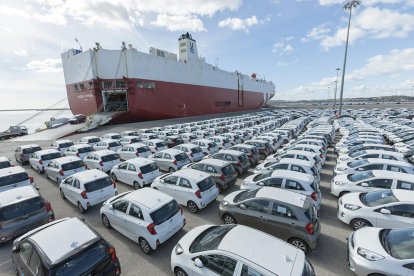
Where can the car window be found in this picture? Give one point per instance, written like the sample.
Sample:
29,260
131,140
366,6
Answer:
199,167
402,210
184,183
158,155
395,169
259,205
281,166
221,265
229,157
282,211
135,211
68,180
35,264
172,180
273,182
219,156
76,184
123,166
293,185
369,156
25,249
297,169
389,157
210,169
121,206
167,156
248,271
131,167
405,185
380,183
372,167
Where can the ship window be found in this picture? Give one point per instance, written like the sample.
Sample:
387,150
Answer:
76,87
91,85
222,103
82,86
183,50
140,84
120,84
182,44
107,84
149,85
160,53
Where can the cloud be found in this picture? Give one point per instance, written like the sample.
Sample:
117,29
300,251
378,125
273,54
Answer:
179,23
20,52
288,63
45,66
317,33
366,2
235,23
283,46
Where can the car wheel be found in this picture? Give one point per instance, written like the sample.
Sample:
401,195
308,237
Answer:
192,206
145,247
219,188
136,185
81,209
262,156
46,175
39,170
105,221
359,223
300,244
62,195
180,272
171,170
114,178
229,219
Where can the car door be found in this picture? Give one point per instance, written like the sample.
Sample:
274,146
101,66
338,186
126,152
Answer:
117,216
167,161
254,213
158,159
22,257
272,182
130,174
282,220
401,216
52,170
134,222
168,185
395,168
377,184
184,191
215,265
74,191
66,187
121,173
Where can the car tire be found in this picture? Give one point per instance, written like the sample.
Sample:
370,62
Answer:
145,247
39,170
136,185
171,170
105,221
46,175
178,271
300,244
192,206
219,188
114,178
229,219
262,156
62,194
359,223
80,208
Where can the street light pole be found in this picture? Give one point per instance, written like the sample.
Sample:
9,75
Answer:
336,87
347,6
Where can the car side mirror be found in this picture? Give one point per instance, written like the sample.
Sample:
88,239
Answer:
110,207
360,169
364,184
15,250
385,211
198,263
242,206
162,181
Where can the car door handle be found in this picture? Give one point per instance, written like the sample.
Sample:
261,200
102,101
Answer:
260,217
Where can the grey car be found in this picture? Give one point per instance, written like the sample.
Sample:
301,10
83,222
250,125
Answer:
170,160
22,154
238,159
251,151
282,213
222,172
28,212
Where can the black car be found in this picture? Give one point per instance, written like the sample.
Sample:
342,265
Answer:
77,119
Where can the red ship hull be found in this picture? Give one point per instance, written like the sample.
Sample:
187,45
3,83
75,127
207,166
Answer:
166,100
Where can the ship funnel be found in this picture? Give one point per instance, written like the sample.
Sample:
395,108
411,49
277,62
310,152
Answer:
187,48
123,45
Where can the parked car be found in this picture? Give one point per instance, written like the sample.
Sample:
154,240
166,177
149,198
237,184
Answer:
63,167
222,142
88,188
5,162
61,145
146,216
206,145
215,250
109,144
251,151
103,160
79,150
189,187
81,250
111,136
373,164
126,140
13,177
77,119
281,213
364,154
40,159
137,172
170,160
194,152
90,140
22,209
23,153
133,151
156,145
263,147
238,159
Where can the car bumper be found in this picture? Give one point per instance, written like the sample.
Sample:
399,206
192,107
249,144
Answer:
343,214
335,189
8,234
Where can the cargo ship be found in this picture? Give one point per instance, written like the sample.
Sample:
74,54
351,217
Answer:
136,86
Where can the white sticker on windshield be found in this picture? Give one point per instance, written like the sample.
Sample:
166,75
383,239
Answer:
281,210
406,186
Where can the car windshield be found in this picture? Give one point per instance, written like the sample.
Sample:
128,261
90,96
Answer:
110,157
228,170
308,269
196,150
399,243
360,176
98,184
212,145
247,194
269,164
89,261
152,137
21,208
94,140
205,184
143,149
4,164
165,212
373,199
115,137
149,168
50,156
13,179
114,144
210,238
85,150
66,145
73,165
243,158
357,163
181,156
357,153
312,214
161,144
260,177
31,150
178,141
135,140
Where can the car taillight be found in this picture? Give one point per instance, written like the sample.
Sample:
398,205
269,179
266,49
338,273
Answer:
310,228
112,252
222,177
314,196
84,195
48,206
181,210
320,155
40,161
151,229
61,172
140,175
101,163
238,164
175,162
137,154
113,184
77,154
198,194
31,179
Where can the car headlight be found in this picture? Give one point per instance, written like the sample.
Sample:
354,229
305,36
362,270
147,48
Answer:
343,158
178,249
224,203
352,207
340,183
369,255
340,169
258,168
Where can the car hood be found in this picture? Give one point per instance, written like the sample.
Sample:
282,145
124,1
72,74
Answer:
188,238
368,238
230,197
352,198
341,177
249,179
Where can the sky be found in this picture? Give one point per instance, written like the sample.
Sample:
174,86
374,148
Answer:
297,44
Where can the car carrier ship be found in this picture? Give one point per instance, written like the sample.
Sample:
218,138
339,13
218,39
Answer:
136,86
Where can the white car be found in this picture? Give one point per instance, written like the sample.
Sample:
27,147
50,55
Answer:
194,153
364,154
90,140
136,172
146,216
373,164
102,160
88,188
170,160
208,146
387,209
222,142
63,167
297,154
236,250
189,187
133,151
79,150
148,136
61,145
109,144
156,145
40,159
378,251
366,147
13,177
188,137
111,136
126,140
371,181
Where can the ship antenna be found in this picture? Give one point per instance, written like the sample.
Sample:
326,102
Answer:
80,46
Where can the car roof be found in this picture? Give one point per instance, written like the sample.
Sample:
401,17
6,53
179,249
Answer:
79,146
234,152
70,234
303,152
204,141
283,195
29,146
191,173
403,195
148,197
103,152
46,151
17,194
11,170
88,175
136,145
63,141
243,146
384,152
388,162
294,161
156,140
66,159
139,161
214,162
171,151
255,241
89,137
188,145
108,140
2,159
293,175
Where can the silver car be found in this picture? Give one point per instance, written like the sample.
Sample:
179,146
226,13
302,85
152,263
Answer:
63,167
170,160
